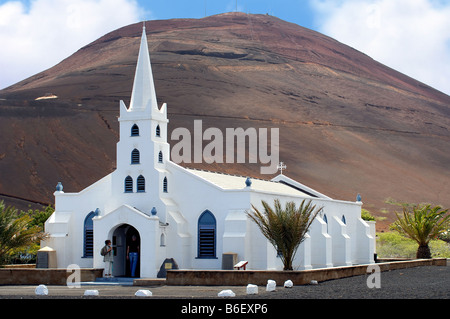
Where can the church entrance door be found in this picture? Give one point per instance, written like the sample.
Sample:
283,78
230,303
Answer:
122,238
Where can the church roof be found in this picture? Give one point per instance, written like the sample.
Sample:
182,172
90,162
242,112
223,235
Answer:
236,182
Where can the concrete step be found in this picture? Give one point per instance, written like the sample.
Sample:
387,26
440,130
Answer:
126,281
115,279
123,281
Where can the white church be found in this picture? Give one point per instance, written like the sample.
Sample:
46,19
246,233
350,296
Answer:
189,215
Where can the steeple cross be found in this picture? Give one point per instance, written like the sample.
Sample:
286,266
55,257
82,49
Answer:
281,167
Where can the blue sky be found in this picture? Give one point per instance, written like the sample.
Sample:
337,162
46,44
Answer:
411,36
297,11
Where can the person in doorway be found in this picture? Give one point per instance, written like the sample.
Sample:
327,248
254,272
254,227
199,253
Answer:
132,254
108,257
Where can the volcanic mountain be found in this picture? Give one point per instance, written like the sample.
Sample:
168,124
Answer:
347,123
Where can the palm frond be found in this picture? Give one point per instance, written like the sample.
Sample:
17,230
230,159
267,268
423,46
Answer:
16,232
422,223
285,228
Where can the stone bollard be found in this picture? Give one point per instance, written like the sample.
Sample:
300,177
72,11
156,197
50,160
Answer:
252,289
226,293
91,292
271,285
41,290
288,284
143,293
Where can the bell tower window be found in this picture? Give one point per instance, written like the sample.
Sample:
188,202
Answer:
128,184
135,130
158,131
135,156
141,184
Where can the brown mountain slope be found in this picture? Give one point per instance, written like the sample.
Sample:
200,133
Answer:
348,124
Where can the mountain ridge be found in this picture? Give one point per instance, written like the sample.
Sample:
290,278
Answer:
348,124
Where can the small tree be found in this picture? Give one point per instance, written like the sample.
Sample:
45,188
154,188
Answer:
39,216
422,224
285,228
366,215
16,232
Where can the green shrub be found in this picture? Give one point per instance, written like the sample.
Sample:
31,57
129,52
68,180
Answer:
21,233
394,245
366,215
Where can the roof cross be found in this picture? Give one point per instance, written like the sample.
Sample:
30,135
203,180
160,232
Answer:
281,167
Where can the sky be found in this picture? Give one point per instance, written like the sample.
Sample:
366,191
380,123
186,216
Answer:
411,36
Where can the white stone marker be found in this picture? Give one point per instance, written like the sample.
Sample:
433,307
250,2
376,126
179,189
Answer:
41,290
226,293
271,285
252,289
91,292
143,293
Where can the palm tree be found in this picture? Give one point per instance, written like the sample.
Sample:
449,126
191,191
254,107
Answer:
285,228
422,224
16,232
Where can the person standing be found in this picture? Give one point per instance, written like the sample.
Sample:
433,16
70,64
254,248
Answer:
108,258
133,254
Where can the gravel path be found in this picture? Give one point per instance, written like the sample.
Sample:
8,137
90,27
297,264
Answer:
429,282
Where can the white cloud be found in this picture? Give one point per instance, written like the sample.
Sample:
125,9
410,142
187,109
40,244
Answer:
411,36
37,37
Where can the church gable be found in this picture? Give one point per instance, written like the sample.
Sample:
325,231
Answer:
127,213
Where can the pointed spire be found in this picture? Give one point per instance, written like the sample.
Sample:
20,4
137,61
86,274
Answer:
143,97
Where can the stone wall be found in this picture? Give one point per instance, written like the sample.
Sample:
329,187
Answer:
24,276
260,277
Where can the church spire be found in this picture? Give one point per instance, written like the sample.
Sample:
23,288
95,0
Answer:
143,97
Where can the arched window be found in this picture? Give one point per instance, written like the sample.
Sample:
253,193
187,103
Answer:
165,186
344,220
160,157
128,184
158,131
135,156
207,235
88,242
325,219
135,130
162,240
141,184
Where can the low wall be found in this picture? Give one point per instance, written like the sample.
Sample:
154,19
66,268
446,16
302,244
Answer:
23,276
260,277
22,266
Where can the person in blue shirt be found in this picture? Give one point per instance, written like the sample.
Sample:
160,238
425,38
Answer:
133,254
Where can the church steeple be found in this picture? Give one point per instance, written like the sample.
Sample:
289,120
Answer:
143,126
143,96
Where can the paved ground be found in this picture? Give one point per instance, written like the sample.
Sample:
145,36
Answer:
430,282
